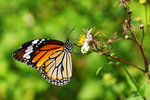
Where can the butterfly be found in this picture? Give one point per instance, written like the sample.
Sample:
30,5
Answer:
51,57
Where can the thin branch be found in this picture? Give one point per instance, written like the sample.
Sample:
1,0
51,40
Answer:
125,62
133,34
140,47
125,9
107,54
137,42
93,42
142,36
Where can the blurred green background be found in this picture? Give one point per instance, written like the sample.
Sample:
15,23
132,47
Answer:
25,20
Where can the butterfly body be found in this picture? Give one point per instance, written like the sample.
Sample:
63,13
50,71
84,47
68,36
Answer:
51,57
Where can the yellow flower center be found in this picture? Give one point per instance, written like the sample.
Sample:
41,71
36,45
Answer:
81,39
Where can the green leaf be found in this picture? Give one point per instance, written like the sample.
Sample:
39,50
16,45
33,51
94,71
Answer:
139,89
142,89
135,93
99,69
110,63
132,80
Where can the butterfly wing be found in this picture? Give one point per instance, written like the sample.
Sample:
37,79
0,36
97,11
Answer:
36,52
50,57
58,68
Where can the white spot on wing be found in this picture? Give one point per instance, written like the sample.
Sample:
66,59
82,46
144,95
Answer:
26,55
29,48
35,41
20,47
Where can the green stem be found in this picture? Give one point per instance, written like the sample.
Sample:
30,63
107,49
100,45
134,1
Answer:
134,82
137,87
125,62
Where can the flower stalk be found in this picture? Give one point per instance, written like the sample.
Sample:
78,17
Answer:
104,47
129,27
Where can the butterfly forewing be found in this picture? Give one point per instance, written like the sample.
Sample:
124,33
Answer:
35,52
51,57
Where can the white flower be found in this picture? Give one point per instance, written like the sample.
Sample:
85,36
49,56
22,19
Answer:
85,47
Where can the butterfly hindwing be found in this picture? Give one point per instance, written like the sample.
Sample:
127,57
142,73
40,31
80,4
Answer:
58,68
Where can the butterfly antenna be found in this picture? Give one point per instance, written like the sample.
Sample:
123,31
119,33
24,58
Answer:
70,32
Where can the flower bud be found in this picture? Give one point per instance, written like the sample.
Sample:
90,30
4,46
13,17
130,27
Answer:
101,53
141,26
126,21
109,41
127,37
130,11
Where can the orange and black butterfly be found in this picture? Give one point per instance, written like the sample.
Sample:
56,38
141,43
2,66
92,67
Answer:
51,57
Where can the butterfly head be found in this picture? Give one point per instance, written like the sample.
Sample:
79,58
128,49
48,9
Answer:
68,46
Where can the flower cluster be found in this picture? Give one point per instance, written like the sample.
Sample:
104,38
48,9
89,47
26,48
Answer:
81,39
84,41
